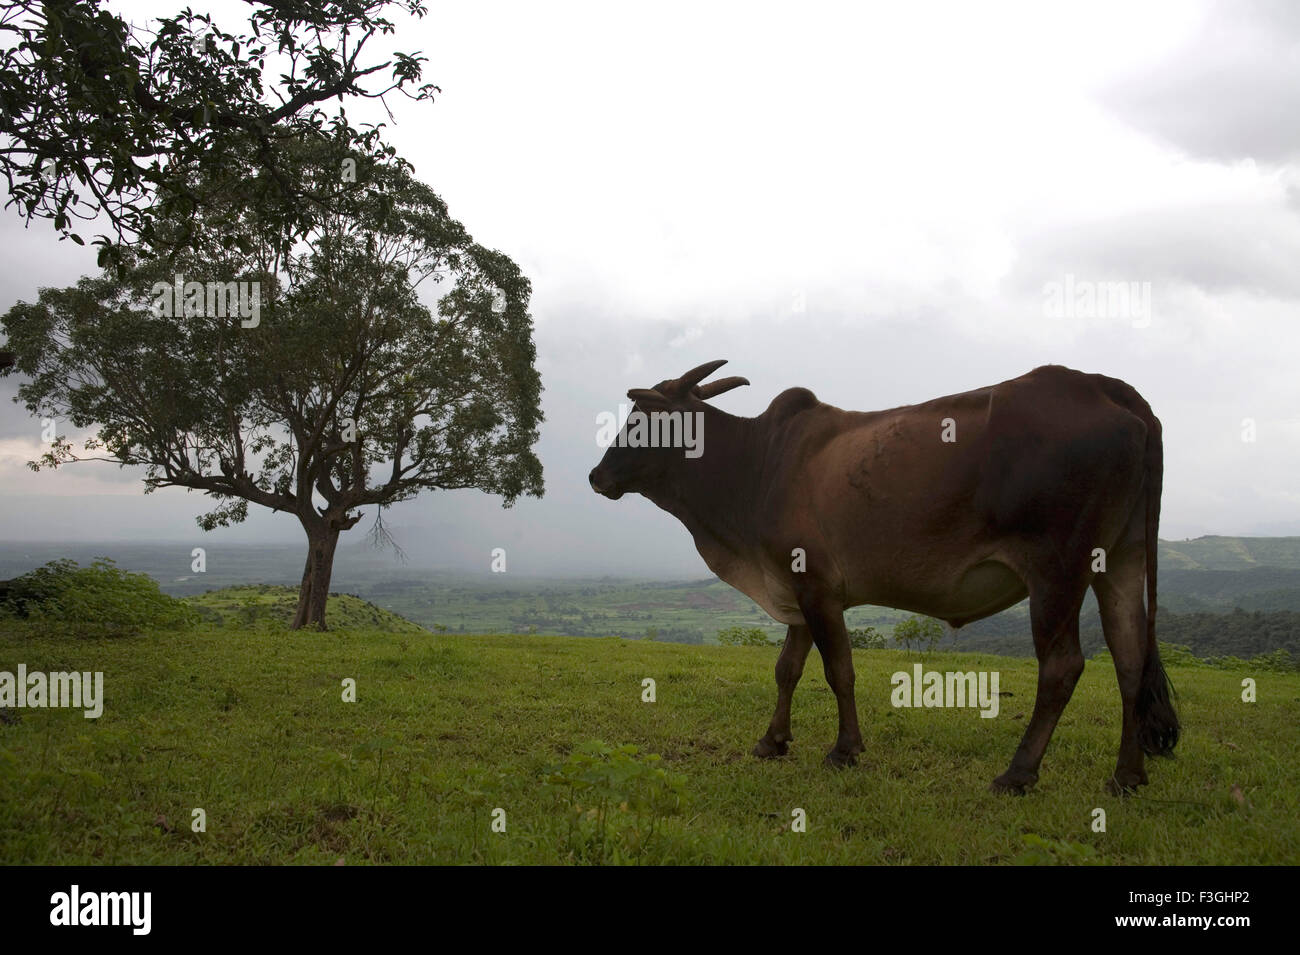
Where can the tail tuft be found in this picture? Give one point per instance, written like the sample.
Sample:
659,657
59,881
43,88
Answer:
1158,726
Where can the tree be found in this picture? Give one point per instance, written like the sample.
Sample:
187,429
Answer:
307,378
102,118
866,638
924,632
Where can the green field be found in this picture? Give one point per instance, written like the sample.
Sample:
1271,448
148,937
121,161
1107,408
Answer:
249,725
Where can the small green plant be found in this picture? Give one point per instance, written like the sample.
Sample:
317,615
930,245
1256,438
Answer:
99,599
744,637
616,799
866,638
374,749
921,632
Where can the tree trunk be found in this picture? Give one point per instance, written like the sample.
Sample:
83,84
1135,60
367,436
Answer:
321,542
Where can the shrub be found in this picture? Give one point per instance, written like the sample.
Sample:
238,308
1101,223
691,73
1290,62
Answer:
866,638
99,599
744,637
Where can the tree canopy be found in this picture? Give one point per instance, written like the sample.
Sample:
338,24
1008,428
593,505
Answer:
305,377
101,119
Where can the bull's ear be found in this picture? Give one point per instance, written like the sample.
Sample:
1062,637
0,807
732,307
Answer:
649,398
715,388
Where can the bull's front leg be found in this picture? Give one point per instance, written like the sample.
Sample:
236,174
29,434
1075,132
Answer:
789,667
825,619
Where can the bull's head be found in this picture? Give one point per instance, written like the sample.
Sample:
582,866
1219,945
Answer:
628,466
7,358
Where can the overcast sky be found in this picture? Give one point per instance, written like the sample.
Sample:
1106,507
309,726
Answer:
873,201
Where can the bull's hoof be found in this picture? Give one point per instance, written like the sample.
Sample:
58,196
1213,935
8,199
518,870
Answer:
842,758
1126,783
771,749
1013,784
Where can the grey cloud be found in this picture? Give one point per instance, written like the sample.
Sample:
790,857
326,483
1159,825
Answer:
1229,248
1232,93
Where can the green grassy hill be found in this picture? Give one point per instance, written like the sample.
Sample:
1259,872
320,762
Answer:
262,605
249,725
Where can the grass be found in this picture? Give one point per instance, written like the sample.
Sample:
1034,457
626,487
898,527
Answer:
249,725
259,605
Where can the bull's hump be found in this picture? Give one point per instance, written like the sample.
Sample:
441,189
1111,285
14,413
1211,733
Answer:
1043,370
791,402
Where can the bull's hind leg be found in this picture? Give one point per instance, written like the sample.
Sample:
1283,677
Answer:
1123,619
1054,614
789,668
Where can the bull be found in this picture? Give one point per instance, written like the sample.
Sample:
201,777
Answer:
956,508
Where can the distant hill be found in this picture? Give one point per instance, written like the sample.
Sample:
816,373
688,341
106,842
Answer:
261,604
1221,591
1231,553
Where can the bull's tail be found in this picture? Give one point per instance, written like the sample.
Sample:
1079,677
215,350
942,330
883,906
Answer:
1158,726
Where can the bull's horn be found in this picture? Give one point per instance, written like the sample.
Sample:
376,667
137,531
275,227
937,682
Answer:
714,388
696,375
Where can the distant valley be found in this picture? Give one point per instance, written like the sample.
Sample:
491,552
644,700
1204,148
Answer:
1235,596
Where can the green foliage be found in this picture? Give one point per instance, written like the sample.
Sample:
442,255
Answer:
1279,661
743,637
866,638
919,631
346,373
99,599
1239,633
615,799
103,116
1174,654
